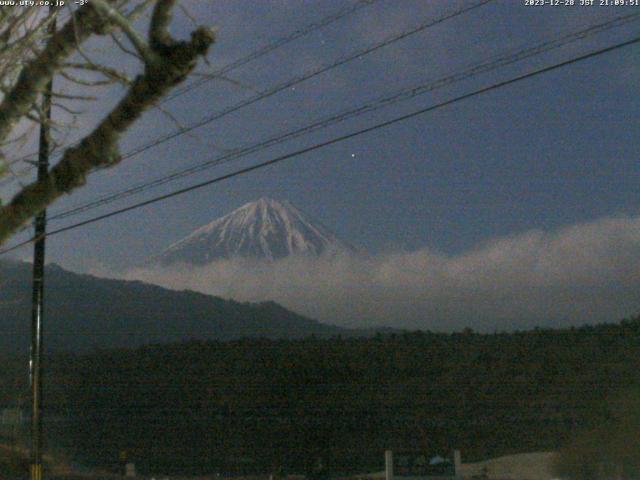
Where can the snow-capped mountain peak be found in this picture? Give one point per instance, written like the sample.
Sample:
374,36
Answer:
265,229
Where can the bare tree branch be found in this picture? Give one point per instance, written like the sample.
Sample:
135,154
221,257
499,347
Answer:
102,69
167,62
35,76
159,34
126,27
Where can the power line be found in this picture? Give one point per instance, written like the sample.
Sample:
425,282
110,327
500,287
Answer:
332,141
271,47
295,81
266,49
304,77
404,94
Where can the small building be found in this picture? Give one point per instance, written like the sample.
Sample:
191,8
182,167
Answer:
422,466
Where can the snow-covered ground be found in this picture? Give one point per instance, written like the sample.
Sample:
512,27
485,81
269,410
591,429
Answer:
524,466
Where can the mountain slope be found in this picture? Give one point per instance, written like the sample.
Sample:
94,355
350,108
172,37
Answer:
265,229
83,312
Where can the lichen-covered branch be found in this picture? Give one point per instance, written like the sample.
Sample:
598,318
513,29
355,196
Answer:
172,62
36,74
158,33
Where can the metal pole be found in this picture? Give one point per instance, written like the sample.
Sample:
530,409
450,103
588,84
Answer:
388,465
457,463
35,361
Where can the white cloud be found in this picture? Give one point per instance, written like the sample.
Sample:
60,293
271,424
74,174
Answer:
584,273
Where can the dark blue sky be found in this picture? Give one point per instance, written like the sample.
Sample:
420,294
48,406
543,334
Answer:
548,152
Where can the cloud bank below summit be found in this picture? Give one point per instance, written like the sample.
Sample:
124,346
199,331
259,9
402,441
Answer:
585,273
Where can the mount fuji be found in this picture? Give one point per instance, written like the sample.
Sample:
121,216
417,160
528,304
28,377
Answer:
266,229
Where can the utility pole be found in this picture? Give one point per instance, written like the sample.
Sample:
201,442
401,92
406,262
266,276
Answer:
35,361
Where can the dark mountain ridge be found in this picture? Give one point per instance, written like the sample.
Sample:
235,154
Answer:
84,312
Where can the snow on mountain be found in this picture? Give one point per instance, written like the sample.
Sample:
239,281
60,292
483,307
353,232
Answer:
265,229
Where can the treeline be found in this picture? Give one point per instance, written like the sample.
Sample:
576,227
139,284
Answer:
267,405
